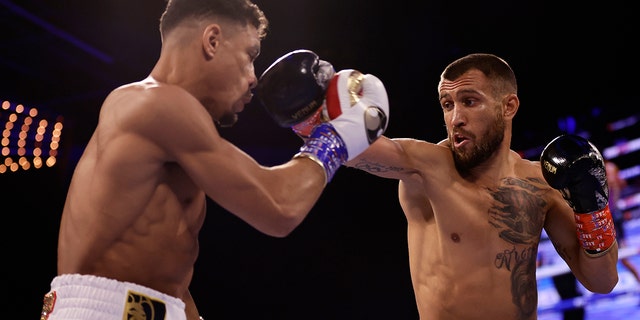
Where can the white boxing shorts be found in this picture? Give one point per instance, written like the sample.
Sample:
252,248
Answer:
75,296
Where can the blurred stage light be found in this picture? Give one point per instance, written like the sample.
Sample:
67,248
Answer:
30,139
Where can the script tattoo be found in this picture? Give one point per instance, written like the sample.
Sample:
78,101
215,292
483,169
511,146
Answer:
517,214
509,259
373,167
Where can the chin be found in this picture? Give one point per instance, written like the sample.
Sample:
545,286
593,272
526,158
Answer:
228,120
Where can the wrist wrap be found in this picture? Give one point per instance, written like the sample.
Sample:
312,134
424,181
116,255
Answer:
595,231
326,148
304,128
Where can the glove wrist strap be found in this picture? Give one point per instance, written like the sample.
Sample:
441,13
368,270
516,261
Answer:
304,128
326,148
596,231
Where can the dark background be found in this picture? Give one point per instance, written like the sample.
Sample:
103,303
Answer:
348,259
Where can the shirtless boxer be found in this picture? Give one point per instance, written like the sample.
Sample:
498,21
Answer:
128,237
476,210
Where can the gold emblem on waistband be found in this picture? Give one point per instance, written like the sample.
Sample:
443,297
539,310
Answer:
142,307
47,307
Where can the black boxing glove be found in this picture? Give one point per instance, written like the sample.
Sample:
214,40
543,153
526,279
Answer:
575,167
292,89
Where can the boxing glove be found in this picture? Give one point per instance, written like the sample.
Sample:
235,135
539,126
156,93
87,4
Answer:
575,167
343,93
359,108
292,89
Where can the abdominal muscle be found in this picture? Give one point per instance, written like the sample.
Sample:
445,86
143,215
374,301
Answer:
453,283
106,234
460,266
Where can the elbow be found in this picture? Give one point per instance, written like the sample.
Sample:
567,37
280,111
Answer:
280,231
603,283
608,276
279,219
283,226
606,285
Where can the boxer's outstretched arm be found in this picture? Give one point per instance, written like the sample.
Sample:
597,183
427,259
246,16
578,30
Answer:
400,158
275,199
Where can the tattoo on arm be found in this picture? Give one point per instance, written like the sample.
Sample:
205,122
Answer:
562,251
373,167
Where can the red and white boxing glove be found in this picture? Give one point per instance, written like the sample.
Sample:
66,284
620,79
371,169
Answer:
359,108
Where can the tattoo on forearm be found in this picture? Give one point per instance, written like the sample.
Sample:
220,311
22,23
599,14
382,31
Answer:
373,167
562,251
